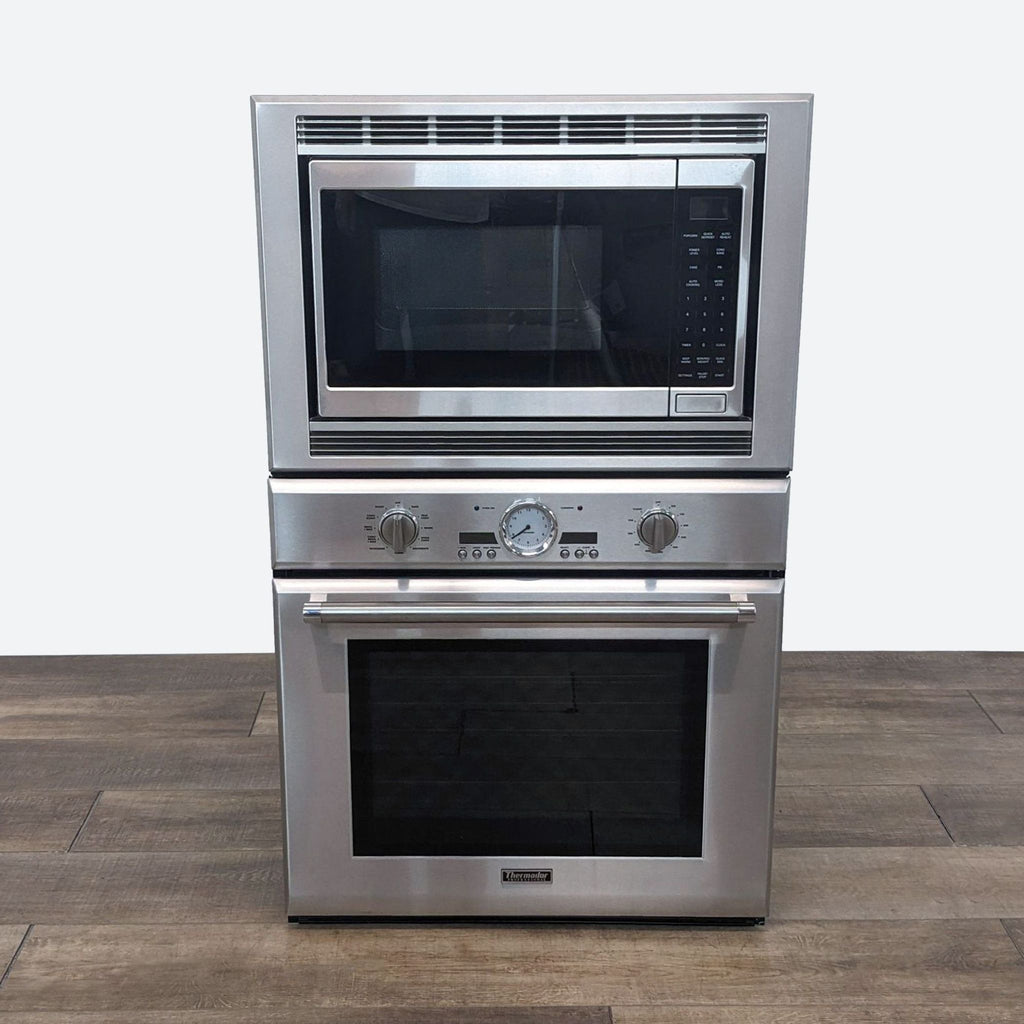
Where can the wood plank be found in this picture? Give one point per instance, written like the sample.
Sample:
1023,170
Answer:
222,762
128,715
981,815
957,670
75,888
175,821
11,936
810,708
897,882
1015,929
266,720
42,820
1005,708
164,967
855,816
50,676
831,759
848,1014
337,1015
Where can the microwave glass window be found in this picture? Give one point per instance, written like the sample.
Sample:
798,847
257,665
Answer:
498,288
525,748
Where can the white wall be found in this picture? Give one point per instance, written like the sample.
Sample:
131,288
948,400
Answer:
133,514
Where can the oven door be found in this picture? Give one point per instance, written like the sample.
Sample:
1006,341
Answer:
559,747
529,289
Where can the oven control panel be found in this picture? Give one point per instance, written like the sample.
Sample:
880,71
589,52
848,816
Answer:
528,524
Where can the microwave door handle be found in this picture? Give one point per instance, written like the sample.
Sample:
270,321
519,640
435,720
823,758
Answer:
725,613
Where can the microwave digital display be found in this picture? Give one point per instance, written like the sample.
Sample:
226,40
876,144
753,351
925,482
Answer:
709,208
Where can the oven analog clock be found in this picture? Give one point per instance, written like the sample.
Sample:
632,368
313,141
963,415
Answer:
528,528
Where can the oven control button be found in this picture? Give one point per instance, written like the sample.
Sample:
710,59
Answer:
657,529
491,553
592,552
398,529
564,553
463,554
477,552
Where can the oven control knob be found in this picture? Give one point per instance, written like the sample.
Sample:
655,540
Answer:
657,529
398,529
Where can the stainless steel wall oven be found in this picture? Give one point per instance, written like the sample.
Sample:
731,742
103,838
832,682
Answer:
531,370
526,284
594,738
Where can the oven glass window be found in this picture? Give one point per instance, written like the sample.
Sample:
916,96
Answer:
451,288
513,748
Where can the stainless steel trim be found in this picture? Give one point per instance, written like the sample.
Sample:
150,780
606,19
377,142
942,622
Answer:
707,613
601,403
786,165
505,174
415,404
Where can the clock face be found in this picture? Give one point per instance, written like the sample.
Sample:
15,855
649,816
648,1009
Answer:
528,528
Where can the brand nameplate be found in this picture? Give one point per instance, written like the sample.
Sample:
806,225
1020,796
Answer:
526,876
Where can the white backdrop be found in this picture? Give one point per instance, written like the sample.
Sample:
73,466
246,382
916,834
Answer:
134,510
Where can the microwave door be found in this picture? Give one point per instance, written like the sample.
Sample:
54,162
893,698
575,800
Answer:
499,289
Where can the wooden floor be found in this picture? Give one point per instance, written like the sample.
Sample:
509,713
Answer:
140,869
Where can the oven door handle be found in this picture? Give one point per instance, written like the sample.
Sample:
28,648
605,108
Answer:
723,613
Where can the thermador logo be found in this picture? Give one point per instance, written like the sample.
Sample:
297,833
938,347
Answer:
533,876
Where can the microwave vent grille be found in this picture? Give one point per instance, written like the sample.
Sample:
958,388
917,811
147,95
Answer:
440,130
535,444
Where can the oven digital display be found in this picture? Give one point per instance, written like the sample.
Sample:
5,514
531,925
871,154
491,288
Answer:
477,538
577,538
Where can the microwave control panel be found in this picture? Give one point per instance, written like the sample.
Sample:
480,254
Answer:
610,524
709,264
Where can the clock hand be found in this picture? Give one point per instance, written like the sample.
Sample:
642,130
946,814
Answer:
526,529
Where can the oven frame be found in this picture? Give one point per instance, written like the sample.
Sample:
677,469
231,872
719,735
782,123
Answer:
293,419
741,620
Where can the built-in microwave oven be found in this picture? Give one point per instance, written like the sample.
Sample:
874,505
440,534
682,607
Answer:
531,283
